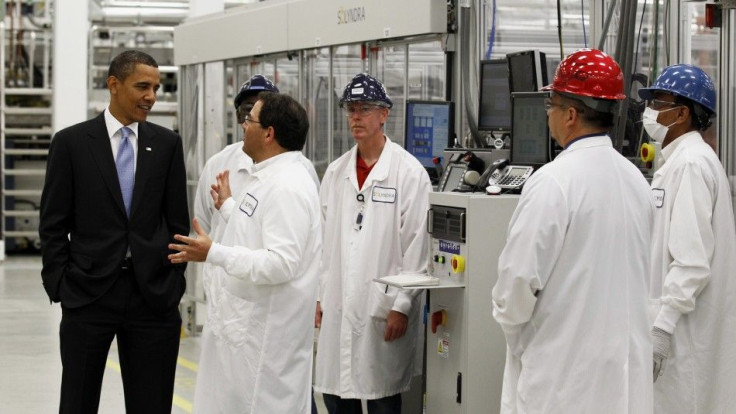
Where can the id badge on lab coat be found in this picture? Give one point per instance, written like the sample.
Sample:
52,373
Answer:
248,205
383,195
658,197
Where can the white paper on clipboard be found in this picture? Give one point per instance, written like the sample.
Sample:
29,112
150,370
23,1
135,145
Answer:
408,280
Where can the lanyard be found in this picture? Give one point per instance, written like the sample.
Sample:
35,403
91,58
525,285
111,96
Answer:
359,219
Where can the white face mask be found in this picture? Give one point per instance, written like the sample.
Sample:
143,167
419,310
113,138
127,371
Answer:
656,131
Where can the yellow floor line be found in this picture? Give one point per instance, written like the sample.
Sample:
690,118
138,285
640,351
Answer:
182,403
192,366
178,401
113,365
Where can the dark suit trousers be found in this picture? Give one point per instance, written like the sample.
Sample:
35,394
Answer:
148,346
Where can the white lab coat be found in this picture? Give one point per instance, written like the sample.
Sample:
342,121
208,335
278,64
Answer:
257,342
353,360
571,295
230,158
694,275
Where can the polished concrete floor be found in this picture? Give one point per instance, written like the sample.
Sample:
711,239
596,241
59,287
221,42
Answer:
30,368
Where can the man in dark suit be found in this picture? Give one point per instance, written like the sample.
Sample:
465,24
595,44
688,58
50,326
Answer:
114,196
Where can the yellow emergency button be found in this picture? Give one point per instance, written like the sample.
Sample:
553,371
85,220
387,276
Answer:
458,263
647,152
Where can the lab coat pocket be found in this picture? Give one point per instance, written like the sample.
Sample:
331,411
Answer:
653,310
380,301
230,319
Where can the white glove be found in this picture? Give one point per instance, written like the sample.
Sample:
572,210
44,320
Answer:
662,341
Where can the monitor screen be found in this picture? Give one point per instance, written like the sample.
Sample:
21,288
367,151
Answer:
454,177
429,125
552,64
494,113
527,71
530,140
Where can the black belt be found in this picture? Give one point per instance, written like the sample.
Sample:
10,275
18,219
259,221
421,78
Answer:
127,264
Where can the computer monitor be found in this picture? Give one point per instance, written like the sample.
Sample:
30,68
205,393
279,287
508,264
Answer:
429,125
494,113
530,140
527,71
552,63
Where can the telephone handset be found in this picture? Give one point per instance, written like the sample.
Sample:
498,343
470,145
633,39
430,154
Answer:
495,166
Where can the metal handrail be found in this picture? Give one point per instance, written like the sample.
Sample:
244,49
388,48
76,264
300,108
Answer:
2,136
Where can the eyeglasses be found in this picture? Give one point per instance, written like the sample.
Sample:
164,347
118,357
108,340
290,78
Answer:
548,104
360,110
248,118
659,104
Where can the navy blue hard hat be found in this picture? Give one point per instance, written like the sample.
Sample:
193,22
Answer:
365,88
687,81
254,85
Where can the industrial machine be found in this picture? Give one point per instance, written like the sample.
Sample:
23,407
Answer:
466,348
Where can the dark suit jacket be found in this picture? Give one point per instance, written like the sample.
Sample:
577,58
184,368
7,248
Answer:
84,229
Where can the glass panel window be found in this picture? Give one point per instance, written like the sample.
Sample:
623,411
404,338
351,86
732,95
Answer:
390,69
346,63
189,119
426,78
704,53
426,71
316,78
533,25
287,75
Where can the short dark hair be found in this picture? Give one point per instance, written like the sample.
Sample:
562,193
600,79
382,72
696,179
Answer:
123,64
590,116
244,108
287,117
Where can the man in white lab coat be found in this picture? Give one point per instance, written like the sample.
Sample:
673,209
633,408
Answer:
693,276
374,203
260,337
571,294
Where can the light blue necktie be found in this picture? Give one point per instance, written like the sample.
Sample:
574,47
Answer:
125,164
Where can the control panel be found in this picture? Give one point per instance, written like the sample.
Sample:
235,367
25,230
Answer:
447,226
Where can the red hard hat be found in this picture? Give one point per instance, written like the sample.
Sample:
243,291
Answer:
589,73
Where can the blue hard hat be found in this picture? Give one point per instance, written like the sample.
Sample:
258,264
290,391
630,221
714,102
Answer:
365,88
254,85
687,81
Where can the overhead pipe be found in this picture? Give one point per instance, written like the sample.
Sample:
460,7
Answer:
138,15
138,12
143,4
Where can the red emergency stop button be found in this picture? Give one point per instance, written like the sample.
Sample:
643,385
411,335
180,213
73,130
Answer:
438,318
647,152
458,263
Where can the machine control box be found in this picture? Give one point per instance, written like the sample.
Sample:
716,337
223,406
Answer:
465,348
